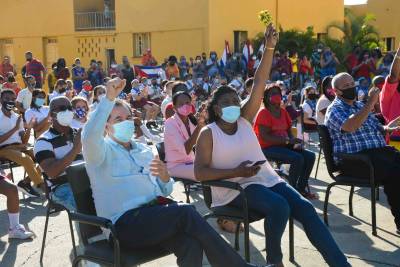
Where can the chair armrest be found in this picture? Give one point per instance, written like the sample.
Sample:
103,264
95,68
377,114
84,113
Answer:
224,184
354,157
91,220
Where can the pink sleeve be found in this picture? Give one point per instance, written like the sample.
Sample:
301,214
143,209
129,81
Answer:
386,97
173,140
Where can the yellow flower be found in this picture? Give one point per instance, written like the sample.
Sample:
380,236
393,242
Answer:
265,17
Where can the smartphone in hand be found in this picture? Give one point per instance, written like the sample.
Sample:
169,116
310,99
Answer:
259,163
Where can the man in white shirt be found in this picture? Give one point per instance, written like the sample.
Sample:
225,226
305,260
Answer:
13,140
24,98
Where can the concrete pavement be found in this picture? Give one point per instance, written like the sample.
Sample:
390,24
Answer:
353,234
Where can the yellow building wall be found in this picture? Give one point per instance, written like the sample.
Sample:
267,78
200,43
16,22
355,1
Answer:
176,26
387,17
228,16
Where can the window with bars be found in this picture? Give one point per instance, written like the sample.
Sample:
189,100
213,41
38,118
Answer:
141,42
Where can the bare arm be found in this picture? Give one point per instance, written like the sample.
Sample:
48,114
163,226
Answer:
395,69
251,107
19,107
191,142
54,167
202,162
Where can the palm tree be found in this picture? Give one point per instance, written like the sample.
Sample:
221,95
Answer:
357,30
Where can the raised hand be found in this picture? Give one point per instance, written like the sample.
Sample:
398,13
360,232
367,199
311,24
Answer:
114,87
31,123
159,169
374,96
271,36
18,123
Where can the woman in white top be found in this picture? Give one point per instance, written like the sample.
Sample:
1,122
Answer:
98,93
39,112
228,149
80,108
328,95
309,108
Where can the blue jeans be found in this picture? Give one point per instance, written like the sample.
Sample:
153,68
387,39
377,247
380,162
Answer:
301,164
276,204
64,196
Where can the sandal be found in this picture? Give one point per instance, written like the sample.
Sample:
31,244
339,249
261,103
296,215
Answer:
309,195
229,226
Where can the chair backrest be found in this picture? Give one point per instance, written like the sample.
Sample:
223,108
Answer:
80,185
327,146
161,151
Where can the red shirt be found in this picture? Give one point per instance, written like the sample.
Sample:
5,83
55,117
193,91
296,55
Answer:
364,71
6,68
390,102
279,126
34,68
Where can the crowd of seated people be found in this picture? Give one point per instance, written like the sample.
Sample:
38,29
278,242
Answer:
217,125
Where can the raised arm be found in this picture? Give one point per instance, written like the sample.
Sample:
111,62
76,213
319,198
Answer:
395,69
251,107
93,132
355,121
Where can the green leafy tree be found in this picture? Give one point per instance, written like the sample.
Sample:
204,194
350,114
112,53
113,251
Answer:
357,30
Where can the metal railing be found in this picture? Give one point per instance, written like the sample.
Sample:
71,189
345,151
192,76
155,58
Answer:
85,21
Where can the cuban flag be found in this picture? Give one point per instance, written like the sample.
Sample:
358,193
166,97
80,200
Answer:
225,54
247,51
149,71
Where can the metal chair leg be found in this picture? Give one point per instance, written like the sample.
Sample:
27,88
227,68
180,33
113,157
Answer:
373,210
319,158
377,193
237,247
351,201
291,239
327,192
45,232
247,241
72,235
187,193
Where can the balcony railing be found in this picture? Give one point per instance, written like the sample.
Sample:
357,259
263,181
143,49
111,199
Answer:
87,21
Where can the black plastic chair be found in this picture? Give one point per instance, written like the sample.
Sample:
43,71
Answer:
102,252
54,207
340,179
239,215
187,184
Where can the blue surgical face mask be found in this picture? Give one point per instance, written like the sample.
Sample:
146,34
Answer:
39,102
230,114
123,131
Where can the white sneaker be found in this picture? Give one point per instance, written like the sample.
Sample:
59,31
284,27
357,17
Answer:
19,232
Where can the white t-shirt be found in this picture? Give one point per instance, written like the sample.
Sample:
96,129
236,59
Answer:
25,97
307,109
40,114
6,124
323,103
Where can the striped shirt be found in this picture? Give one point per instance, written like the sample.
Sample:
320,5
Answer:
52,144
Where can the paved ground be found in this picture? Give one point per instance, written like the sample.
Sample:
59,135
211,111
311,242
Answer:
352,233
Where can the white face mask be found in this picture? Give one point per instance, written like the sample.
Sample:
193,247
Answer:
114,66
65,118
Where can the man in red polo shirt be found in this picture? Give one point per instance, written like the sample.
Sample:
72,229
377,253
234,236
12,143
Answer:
35,68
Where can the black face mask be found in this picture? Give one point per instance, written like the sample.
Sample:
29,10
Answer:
62,90
312,96
11,79
349,94
8,105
